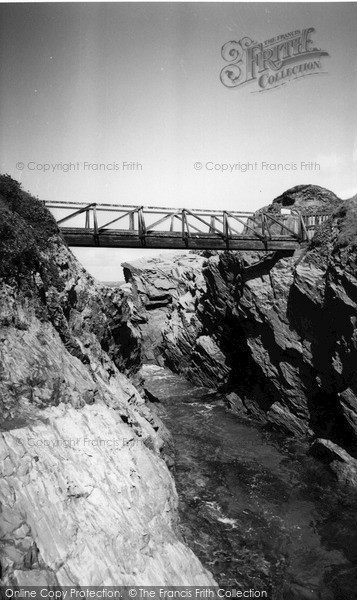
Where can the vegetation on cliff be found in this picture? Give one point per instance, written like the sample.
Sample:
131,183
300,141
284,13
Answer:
347,223
37,264
25,228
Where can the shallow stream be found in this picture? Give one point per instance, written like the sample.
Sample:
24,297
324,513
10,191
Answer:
258,512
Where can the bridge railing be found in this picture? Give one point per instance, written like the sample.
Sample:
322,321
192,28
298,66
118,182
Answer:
313,221
147,221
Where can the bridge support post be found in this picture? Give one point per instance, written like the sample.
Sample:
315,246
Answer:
141,226
131,221
95,225
303,231
264,229
185,228
226,229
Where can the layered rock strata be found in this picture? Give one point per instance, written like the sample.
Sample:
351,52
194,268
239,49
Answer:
168,293
86,496
277,332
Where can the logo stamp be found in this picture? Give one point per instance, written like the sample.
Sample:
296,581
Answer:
271,63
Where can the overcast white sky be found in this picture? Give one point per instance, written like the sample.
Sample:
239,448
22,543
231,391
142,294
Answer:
116,82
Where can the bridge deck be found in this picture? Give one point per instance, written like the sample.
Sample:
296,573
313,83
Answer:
173,240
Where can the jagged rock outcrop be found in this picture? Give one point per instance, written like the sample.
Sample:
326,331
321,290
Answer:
282,326
295,325
167,293
340,462
309,199
86,497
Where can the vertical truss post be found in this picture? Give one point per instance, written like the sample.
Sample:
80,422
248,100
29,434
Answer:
185,227
87,223
304,230
95,220
141,226
225,225
213,224
95,225
131,221
226,228
172,222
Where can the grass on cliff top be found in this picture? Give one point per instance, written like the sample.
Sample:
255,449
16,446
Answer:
25,226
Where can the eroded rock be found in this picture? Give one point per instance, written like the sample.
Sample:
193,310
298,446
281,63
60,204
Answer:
342,464
85,494
282,326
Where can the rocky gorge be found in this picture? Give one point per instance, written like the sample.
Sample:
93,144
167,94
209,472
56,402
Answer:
86,495
276,332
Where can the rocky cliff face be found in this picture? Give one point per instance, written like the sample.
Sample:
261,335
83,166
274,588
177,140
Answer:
86,496
279,332
294,319
168,293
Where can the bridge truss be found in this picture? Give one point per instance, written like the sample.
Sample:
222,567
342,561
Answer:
112,226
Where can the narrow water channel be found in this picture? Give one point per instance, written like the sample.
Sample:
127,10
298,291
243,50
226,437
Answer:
258,512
